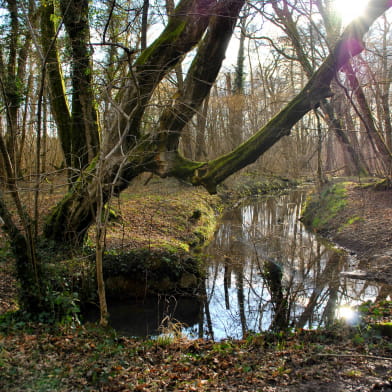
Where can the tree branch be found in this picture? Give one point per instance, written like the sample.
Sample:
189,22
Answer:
200,78
350,44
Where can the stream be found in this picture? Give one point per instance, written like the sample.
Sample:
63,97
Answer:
266,271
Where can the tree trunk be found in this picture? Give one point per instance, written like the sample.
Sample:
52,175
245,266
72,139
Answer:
58,97
84,121
366,117
143,40
73,214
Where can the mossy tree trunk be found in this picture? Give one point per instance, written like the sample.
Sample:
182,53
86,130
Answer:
212,173
77,127
124,145
84,125
127,152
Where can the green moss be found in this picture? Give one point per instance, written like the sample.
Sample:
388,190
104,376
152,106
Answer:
380,185
321,209
187,170
384,329
350,222
172,31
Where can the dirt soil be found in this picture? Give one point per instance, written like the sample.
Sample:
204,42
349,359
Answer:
369,237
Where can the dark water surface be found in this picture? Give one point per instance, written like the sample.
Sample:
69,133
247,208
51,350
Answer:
265,271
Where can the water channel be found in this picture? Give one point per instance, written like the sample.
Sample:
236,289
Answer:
266,271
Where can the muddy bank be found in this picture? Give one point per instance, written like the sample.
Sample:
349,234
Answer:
358,217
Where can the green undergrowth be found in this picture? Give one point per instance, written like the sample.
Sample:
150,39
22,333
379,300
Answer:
322,208
250,184
377,317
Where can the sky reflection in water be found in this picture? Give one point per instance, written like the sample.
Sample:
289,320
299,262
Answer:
265,271
256,245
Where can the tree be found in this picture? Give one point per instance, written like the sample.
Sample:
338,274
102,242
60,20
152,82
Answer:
158,150
354,163
78,127
127,147
15,77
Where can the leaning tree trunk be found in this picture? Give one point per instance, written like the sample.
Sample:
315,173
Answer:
159,152
124,145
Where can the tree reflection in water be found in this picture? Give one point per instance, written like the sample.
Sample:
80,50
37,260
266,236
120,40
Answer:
268,272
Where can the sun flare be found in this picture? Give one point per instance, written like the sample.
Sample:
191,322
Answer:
347,314
350,9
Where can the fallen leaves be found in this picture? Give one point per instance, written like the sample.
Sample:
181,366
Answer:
97,360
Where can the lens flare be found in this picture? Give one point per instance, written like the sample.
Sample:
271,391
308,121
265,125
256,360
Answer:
348,10
348,314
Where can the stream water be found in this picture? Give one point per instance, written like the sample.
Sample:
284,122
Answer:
265,271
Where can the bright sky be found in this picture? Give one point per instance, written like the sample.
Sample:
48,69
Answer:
350,9
347,9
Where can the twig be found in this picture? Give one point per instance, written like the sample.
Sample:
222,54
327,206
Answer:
354,355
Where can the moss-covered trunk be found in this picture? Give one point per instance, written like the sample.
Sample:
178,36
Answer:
58,98
317,89
77,127
84,126
127,152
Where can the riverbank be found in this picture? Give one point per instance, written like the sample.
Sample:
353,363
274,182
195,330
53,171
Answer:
358,217
70,357
156,219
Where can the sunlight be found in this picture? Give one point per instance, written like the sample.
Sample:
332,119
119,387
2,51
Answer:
347,314
350,9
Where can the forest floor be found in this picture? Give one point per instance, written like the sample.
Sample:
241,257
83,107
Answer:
35,357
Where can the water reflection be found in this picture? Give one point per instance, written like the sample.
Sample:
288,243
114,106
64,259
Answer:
268,272
150,316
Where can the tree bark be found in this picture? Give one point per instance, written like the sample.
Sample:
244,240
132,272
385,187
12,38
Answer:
73,216
84,121
58,97
212,173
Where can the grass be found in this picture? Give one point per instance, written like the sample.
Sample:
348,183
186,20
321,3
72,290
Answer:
162,216
322,208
